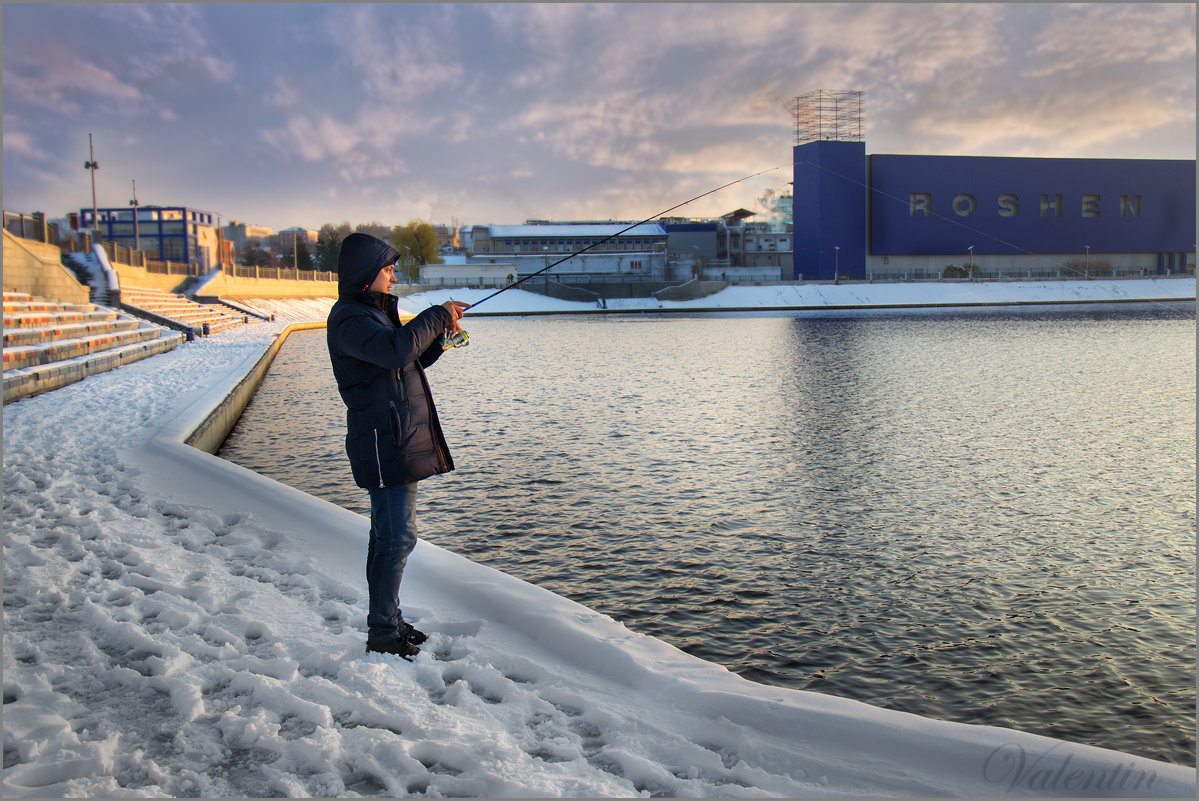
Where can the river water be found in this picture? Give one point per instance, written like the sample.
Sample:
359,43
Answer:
983,516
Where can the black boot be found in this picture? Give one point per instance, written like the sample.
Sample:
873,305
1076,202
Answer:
412,634
399,646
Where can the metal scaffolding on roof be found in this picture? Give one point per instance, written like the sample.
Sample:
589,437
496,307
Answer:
829,116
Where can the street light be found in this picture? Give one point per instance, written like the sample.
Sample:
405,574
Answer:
91,164
836,264
971,249
137,235
1087,274
409,261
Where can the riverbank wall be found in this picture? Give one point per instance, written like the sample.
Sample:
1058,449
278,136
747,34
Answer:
211,433
817,298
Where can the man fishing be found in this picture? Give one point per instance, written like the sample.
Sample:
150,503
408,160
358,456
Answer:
394,438
393,435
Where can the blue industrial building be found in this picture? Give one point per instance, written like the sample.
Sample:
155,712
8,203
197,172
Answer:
889,216
167,233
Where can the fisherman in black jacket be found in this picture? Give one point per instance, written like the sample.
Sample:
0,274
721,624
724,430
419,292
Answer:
393,436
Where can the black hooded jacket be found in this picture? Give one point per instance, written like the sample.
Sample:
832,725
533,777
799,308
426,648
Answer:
393,435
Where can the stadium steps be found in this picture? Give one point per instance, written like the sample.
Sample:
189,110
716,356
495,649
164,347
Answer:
178,312
48,345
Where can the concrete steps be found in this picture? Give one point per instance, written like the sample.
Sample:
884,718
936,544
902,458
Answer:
63,349
48,345
178,311
66,313
17,337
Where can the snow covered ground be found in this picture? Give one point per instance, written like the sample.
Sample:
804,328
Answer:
814,297
176,625
820,297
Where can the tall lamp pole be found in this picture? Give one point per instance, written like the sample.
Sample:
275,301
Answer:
91,164
1087,274
971,249
137,235
409,262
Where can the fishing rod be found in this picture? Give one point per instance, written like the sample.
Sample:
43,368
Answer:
459,338
622,231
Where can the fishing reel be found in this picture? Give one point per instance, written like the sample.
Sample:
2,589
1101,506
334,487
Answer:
454,339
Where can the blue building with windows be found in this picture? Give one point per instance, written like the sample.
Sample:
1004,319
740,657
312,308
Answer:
166,233
888,216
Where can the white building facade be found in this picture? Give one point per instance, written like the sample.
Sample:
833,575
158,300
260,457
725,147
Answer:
612,250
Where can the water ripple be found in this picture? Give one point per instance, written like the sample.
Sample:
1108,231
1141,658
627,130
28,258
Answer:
987,517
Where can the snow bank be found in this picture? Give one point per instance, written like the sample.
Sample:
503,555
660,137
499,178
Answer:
812,297
178,625
292,309
981,293
823,297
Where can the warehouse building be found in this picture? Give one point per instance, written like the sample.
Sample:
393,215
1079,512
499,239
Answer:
891,217
618,251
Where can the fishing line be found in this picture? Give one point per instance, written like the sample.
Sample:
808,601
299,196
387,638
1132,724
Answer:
622,231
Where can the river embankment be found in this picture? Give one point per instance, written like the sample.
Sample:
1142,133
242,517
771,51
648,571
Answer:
176,625
831,297
804,298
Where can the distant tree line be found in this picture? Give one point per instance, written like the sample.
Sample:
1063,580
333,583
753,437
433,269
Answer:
416,242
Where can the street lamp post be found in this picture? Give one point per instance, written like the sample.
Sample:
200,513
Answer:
1087,274
137,235
91,164
411,268
971,249
836,264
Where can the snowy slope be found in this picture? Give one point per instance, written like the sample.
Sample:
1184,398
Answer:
177,625
818,297
815,297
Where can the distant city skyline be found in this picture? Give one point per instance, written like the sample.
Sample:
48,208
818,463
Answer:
286,115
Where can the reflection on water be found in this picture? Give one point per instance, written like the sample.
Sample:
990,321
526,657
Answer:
986,517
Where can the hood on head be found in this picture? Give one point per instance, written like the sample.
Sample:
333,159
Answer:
361,258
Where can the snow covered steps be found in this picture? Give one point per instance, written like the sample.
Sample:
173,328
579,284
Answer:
61,350
179,312
48,345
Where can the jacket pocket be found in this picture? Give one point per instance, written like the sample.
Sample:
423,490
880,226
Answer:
365,460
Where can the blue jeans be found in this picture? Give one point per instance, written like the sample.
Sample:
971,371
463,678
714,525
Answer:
392,538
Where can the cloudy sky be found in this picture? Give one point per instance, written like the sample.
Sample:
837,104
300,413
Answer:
302,114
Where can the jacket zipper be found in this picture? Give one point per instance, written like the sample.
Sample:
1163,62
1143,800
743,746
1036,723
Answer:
378,459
